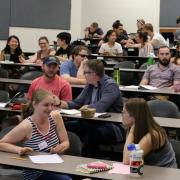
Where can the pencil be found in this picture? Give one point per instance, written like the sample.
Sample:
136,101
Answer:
19,158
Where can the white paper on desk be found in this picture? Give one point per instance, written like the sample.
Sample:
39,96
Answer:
2,105
96,114
132,87
70,111
46,159
149,87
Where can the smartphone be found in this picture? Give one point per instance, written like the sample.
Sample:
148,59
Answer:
104,115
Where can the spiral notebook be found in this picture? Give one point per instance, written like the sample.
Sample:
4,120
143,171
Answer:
93,167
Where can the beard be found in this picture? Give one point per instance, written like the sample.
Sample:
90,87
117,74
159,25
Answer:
164,62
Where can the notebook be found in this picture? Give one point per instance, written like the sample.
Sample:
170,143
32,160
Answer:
93,167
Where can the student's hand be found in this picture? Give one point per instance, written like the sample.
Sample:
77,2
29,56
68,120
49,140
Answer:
64,105
22,59
39,62
25,150
57,102
60,148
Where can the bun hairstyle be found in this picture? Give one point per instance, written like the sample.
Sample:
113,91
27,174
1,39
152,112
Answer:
116,24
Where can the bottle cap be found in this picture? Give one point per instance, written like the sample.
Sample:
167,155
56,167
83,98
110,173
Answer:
131,147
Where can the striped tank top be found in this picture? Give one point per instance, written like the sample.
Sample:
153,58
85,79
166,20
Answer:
36,139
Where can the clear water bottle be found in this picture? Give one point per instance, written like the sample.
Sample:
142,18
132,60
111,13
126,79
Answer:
136,160
116,75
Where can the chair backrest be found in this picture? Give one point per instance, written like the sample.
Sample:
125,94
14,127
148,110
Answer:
75,145
4,96
176,147
165,108
31,75
140,75
126,78
3,74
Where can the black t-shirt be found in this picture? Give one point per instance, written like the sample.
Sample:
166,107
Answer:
64,52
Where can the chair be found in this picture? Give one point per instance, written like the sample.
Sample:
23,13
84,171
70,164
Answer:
29,76
4,97
126,77
163,109
166,109
3,74
176,147
7,172
75,145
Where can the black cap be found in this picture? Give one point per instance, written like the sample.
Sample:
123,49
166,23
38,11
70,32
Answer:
51,60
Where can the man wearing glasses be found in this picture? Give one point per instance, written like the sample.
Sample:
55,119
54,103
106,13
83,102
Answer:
164,73
72,70
103,94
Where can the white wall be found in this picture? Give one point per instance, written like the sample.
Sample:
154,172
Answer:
105,12
84,12
29,36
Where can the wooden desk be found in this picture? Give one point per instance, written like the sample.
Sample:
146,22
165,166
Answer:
15,81
71,162
168,29
4,63
115,118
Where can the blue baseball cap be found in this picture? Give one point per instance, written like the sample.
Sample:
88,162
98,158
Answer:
51,60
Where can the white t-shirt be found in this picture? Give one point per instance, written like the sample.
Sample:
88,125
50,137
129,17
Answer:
146,50
159,39
113,51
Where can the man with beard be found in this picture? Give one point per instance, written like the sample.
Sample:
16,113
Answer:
51,81
164,73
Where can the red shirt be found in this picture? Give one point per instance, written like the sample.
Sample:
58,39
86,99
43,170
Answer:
58,86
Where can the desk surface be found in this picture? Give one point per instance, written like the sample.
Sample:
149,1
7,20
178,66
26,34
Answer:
115,118
70,163
15,81
19,64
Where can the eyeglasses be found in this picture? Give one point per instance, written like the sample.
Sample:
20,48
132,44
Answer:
88,72
83,55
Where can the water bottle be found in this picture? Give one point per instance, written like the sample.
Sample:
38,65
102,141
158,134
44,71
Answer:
116,75
150,60
136,160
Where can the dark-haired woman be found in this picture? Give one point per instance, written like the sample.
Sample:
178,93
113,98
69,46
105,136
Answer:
12,48
176,59
111,47
143,130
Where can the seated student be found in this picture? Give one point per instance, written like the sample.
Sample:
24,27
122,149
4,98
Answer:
111,47
72,70
51,81
103,94
93,31
164,73
177,33
145,48
13,49
143,130
42,131
140,24
176,59
64,51
156,39
44,51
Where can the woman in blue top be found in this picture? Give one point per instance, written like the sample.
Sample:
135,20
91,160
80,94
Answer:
143,130
43,131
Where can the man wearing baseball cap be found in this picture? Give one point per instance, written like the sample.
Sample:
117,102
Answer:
51,81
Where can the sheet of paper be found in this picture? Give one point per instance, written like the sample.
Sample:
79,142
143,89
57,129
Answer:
96,114
119,168
2,105
132,87
149,87
70,111
46,159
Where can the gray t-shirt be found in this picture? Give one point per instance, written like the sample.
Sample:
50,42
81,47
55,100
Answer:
162,78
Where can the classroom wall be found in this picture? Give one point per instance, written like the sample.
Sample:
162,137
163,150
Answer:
83,12
107,11
29,36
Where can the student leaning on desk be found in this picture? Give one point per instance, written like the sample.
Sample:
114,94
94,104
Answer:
42,131
143,130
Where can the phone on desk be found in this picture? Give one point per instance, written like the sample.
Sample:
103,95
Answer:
104,115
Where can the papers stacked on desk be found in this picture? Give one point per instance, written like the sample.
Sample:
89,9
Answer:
70,111
46,159
145,87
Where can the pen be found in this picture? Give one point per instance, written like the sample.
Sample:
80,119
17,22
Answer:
19,158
